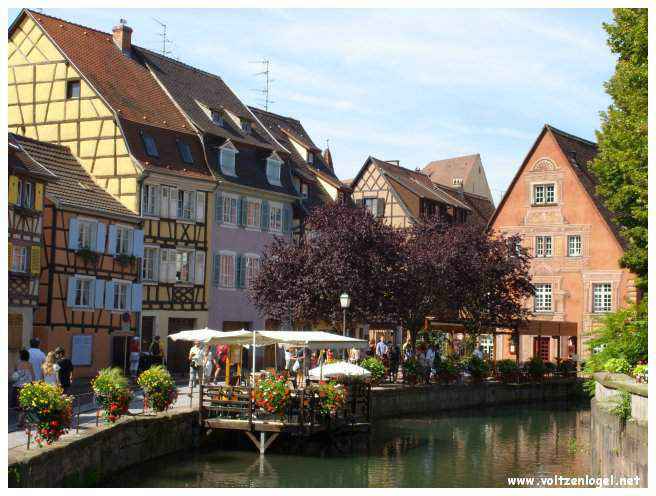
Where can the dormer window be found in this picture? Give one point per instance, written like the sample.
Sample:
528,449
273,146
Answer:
149,145
273,166
246,126
217,118
72,89
185,152
457,181
310,157
227,159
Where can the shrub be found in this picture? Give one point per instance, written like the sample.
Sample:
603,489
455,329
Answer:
507,369
376,367
640,373
623,407
617,365
567,366
550,367
272,394
159,388
476,366
535,367
48,408
331,397
112,392
411,370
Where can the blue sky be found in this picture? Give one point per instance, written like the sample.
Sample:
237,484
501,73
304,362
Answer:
408,85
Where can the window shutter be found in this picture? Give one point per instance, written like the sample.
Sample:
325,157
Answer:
35,260
155,265
380,207
192,266
286,218
99,292
200,206
111,245
73,234
216,270
11,254
218,207
192,201
165,202
109,295
158,198
172,267
173,202
38,196
100,238
138,243
137,297
238,270
13,189
264,223
359,202
243,212
199,268
163,265
70,297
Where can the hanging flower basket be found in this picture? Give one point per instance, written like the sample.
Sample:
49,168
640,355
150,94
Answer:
159,388
112,392
272,394
48,408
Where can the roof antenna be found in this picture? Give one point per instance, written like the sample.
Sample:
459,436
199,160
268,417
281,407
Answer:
162,35
267,82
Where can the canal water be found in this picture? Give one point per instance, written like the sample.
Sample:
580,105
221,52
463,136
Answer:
457,449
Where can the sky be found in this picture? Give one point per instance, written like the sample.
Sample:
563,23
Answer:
407,85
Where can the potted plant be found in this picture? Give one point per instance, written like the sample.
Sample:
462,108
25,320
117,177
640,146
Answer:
447,371
47,407
410,369
376,367
112,392
87,255
507,370
477,368
159,388
124,259
272,394
330,396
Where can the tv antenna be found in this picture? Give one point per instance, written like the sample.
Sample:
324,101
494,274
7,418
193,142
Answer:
163,37
266,72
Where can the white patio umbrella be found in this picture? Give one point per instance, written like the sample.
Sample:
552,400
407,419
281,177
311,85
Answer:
338,369
200,335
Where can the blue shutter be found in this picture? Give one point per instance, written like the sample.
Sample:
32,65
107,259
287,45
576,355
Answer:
109,295
72,285
73,234
138,243
239,260
111,246
286,218
218,207
99,290
137,297
100,238
265,215
216,270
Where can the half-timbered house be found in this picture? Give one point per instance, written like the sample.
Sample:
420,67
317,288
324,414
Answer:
89,291
27,180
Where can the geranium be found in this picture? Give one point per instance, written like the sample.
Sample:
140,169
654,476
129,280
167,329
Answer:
159,388
331,397
272,394
48,408
112,392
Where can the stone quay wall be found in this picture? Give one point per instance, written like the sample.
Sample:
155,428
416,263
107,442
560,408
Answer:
619,448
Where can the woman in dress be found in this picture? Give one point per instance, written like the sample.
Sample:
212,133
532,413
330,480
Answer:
50,369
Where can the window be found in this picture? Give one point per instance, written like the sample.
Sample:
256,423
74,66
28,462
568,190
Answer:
371,204
82,292
150,265
542,300
457,181
246,126
252,267
121,292
227,160
275,217
229,210
25,193
304,190
252,213
544,193
186,201
227,279
602,297
310,156
72,89
574,246
87,234
150,199
123,240
217,118
543,246
19,193
149,145
19,259
273,170
185,152
183,266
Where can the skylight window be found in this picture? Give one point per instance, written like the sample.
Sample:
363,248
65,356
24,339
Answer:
185,152
217,118
150,145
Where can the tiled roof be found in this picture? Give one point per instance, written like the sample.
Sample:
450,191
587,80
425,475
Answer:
19,161
74,188
481,206
443,171
127,85
190,87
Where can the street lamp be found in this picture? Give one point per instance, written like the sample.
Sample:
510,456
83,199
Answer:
345,302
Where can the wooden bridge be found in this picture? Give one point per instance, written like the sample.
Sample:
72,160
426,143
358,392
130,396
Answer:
233,408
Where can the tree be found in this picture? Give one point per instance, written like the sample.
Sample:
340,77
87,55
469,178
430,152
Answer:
621,164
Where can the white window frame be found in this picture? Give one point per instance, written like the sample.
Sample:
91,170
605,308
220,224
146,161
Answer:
254,221
275,219
186,205
229,168
89,226
543,190
124,236
250,260
190,266
274,170
154,276
122,289
574,245
310,157
227,279
543,299
602,297
543,246
230,210
19,258
149,200
374,209
78,291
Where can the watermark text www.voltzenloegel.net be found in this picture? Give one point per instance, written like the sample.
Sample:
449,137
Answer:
578,481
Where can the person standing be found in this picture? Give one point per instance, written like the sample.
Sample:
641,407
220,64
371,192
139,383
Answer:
381,348
155,352
220,358
134,356
395,358
64,369
49,369
23,374
37,357
208,363
195,362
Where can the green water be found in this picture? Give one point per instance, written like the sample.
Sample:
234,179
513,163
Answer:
459,449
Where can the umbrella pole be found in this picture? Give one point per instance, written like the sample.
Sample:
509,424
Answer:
253,371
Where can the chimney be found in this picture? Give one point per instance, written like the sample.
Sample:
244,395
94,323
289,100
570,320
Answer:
122,35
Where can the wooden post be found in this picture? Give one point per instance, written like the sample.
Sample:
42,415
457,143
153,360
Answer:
227,373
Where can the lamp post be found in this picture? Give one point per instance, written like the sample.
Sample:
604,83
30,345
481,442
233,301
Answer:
345,302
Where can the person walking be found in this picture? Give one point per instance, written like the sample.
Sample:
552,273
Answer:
37,357
64,369
195,362
49,369
23,374
220,358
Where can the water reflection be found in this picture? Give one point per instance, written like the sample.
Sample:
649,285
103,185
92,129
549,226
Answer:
477,449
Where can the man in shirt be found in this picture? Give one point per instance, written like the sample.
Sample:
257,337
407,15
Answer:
37,357
381,348
195,363
65,371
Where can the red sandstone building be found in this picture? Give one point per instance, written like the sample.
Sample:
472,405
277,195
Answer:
574,243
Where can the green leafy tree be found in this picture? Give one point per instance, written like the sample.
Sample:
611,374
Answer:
621,164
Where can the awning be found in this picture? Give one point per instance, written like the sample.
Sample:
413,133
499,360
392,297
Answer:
548,328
